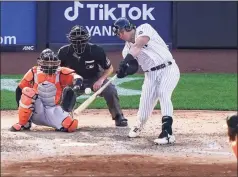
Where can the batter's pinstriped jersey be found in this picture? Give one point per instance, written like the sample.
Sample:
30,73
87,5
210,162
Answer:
154,53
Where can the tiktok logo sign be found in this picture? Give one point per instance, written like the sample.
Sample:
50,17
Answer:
91,15
77,5
104,12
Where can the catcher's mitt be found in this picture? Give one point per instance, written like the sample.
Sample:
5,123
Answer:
68,99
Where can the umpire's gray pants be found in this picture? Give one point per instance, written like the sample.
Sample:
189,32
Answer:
110,95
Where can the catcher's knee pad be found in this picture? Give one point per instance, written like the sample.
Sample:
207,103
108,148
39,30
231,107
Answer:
68,99
28,98
26,106
70,124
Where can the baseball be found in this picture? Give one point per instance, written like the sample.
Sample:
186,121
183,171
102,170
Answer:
88,91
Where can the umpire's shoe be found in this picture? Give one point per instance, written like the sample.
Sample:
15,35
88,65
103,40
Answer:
165,138
120,121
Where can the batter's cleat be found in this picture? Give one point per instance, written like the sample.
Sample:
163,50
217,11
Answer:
164,138
135,132
120,121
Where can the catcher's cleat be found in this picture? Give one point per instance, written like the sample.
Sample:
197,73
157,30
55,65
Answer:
120,121
69,125
62,129
164,138
17,127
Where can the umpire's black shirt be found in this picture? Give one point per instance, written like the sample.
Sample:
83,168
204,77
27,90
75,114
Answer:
89,64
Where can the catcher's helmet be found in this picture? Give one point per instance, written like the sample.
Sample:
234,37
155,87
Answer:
48,61
122,24
79,37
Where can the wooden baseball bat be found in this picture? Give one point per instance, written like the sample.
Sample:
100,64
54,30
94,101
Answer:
87,102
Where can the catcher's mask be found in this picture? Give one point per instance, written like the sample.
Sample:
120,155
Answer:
48,61
122,24
79,37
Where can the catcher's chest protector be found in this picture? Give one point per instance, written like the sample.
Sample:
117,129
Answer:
48,88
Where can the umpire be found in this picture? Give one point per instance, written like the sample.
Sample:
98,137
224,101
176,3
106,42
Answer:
90,62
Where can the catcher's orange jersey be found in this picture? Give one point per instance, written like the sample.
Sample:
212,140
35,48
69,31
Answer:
34,77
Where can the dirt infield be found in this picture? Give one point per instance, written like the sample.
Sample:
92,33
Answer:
120,165
98,148
189,61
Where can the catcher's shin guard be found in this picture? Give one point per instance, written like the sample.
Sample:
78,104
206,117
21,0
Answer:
25,109
69,124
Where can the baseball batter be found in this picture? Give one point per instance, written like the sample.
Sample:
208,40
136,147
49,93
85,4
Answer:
144,45
44,96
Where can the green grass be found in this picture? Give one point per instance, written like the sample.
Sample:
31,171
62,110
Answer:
8,100
202,91
194,91
13,76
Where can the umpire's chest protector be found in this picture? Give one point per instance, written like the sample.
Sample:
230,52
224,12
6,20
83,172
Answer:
87,65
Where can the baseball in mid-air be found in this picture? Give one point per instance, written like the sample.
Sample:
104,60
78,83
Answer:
88,91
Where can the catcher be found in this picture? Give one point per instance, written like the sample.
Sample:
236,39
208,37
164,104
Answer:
232,123
45,95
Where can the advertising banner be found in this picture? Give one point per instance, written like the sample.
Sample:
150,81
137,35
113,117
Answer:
98,17
18,26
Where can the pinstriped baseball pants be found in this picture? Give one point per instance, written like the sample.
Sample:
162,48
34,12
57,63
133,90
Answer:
158,86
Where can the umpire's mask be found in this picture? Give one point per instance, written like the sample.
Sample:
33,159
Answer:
48,62
79,37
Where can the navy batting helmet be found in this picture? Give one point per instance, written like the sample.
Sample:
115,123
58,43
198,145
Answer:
122,24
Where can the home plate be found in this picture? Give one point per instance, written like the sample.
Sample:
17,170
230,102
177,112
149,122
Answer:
79,144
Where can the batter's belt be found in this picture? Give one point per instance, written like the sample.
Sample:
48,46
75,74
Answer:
160,66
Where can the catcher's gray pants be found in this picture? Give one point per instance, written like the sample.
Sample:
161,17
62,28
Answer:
48,116
110,95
